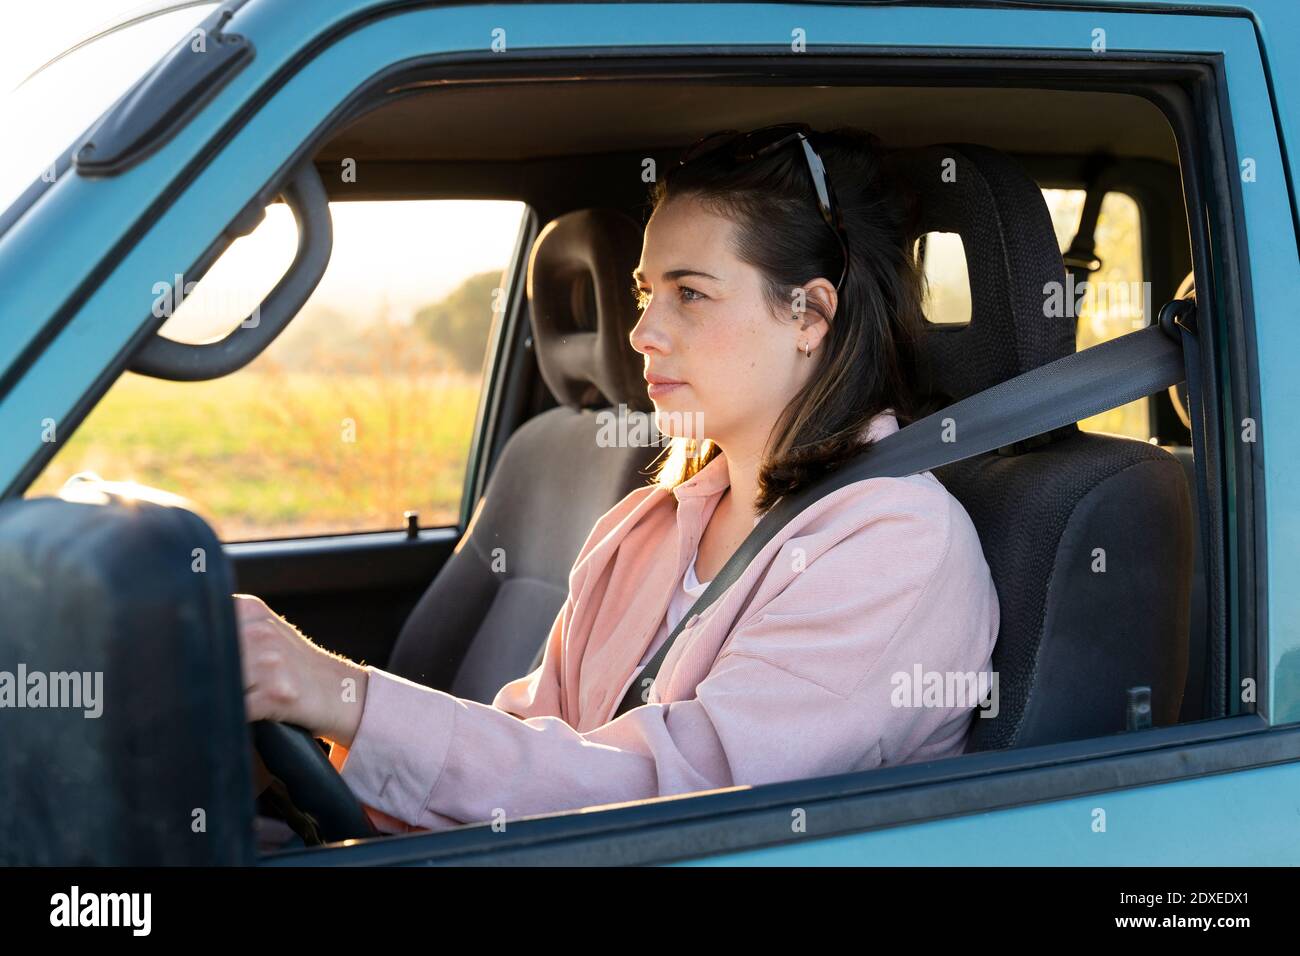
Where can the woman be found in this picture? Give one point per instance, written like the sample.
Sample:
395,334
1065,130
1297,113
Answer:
779,320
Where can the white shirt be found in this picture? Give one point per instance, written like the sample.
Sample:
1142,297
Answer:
683,599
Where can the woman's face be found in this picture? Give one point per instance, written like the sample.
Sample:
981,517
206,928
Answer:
705,324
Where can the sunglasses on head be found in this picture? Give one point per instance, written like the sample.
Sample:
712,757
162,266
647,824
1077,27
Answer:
742,148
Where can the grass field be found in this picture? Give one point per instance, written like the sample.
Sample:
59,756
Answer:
273,453
282,454
266,455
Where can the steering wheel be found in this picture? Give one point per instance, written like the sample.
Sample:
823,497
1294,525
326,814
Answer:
291,754
288,751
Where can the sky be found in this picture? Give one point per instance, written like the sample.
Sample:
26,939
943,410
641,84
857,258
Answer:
35,32
388,257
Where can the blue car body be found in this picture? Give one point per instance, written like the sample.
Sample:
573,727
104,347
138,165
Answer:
79,259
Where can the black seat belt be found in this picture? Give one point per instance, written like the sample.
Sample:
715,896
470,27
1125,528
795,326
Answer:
1183,314
1051,396
1081,258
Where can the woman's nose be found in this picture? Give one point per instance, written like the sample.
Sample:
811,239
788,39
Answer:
645,335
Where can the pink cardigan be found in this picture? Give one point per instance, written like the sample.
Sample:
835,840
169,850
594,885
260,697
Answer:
804,667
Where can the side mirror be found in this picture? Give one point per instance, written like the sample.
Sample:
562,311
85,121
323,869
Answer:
124,729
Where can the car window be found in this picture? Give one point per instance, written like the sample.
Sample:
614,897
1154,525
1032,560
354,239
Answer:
946,286
1115,301
362,409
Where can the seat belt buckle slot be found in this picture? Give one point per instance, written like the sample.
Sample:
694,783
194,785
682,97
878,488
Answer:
1137,712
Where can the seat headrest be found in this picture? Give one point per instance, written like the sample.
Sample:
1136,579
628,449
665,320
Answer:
583,310
984,197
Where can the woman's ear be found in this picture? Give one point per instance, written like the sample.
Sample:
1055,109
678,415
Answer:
813,304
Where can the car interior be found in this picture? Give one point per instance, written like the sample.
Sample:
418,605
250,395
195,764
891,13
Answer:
1080,654
1039,509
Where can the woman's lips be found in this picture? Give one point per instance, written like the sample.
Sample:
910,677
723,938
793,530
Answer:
660,389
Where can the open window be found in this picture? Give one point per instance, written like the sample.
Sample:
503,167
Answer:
1143,140
324,391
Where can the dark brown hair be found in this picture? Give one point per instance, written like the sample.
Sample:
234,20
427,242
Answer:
868,360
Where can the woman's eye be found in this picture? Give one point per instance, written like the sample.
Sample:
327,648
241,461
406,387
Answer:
686,293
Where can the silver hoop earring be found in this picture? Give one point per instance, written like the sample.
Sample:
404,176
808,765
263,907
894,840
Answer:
807,353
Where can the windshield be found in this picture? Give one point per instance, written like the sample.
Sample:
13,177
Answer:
42,113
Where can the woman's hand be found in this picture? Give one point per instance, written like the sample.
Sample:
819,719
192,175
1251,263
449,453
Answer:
288,678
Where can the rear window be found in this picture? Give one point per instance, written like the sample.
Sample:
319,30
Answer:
1115,301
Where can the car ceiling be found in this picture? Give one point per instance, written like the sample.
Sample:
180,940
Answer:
547,141
562,118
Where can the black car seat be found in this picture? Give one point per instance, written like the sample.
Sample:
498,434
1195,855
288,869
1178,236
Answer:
485,617
1073,639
